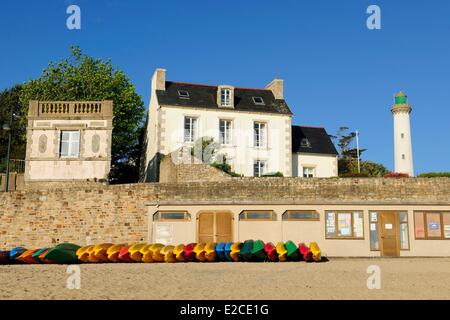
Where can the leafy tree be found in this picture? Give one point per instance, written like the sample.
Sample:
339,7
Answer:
10,98
348,157
81,77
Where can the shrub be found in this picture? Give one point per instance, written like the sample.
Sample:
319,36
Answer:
396,175
354,175
434,174
272,174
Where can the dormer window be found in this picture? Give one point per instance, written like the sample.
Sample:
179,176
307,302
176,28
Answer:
225,96
183,94
305,143
259,101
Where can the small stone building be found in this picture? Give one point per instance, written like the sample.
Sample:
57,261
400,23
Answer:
68,141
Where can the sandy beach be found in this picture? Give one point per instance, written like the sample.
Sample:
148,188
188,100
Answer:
406,278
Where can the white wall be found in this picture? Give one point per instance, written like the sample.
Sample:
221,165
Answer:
241,150
403,146
324,165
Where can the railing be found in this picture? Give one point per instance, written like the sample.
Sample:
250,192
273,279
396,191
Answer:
70,108
17,165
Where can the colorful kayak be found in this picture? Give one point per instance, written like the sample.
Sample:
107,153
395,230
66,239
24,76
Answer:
189,253
91,254
156,252
271,251
99,252
124,255
37,253
16,252
220,251
281,252
83,253
228,251
167,252
43,259
178,251
292,251
234,251
305,251
27,257
210,252
315,250
5,257
146,254
113,252
199,250
135,251
258,253
63,253
246,251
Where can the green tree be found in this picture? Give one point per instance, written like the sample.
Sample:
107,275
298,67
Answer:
10,98
82,77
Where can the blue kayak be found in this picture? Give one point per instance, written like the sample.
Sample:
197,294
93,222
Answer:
220,251
228,250
16,252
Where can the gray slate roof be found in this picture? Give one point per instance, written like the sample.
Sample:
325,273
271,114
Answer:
319,140
205,96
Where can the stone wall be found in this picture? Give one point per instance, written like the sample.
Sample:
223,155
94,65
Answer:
118,213
188,172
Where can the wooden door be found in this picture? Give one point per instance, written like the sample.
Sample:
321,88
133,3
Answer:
389,234
215,226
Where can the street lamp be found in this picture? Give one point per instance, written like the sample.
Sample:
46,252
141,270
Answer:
7,128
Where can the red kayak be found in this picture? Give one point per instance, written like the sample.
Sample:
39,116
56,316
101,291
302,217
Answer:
271,251
306,253
189,254
124,255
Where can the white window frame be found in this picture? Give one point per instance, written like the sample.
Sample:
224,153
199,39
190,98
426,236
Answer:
262,103
261,169
227,133
182,96
225,97
259,134
72,135
193,129
308,174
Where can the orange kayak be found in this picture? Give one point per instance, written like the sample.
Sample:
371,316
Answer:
27,257
124,255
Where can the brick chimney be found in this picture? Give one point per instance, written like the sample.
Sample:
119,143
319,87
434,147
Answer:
159,79
276,86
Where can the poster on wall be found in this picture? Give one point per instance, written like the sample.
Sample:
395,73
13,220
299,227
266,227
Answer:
345,224
163,234
447,231
358,225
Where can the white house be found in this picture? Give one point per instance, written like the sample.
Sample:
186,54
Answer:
252,126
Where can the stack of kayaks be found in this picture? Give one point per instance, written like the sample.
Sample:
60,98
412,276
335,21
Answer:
247,251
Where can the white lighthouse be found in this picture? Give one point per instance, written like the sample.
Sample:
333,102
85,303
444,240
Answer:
402,135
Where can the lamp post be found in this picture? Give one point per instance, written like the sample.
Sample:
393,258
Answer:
357,150
7,127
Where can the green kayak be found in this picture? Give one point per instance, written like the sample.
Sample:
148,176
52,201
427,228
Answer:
258,252
63,253
246,251
292,251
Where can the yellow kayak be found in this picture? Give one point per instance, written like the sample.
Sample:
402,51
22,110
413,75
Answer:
210,251
315,250
99,252
113,252
179,252
169,256
135,251
199,250
146,253
82,253
156,252
234,251
281,251
92,258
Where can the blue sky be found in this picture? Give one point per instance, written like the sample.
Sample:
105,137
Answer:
336,71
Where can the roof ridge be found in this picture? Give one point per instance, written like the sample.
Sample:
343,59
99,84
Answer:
210,85
316,127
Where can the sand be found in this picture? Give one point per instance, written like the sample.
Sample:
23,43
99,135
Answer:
405,278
